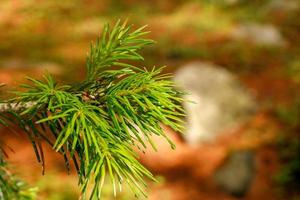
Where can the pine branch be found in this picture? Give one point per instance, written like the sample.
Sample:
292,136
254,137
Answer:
96,124
4,107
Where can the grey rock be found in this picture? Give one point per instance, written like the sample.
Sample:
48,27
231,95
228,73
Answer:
283,5
259,34
88,27
16,63
233,2
216,101
236,175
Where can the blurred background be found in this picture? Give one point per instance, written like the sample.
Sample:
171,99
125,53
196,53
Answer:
239,60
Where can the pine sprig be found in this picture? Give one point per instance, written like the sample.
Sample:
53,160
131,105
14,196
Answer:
114,46
97,124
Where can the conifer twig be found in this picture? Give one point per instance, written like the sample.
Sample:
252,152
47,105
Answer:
97,123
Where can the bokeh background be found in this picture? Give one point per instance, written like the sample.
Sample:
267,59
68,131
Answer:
238,59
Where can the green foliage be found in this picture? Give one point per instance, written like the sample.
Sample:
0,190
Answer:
289,147
293,71
290,114
63,189
97,124
290,172
12,188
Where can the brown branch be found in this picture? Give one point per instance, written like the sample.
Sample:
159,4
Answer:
4,107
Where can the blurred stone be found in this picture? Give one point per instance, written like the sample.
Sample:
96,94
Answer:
259,34
236,175
13,63
88,27
52,68
219,101
19,64
231,2
13,71
283,5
